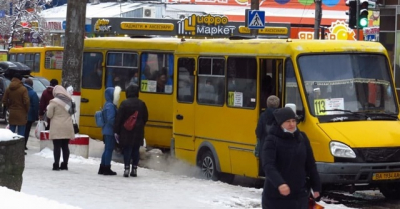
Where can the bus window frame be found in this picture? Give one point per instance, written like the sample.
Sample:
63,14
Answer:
191,80
256,80
199,75
170,68
107,66
45,57
102,61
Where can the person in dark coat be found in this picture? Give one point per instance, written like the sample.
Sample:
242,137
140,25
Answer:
47,95
133,139
264,124
16,100
33,108
287,162
109,112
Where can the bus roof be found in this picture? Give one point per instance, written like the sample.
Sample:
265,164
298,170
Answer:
35,49
274,46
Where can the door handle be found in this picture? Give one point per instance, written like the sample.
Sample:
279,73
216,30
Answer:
84,100
179,117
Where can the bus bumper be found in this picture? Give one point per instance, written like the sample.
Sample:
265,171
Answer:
354,173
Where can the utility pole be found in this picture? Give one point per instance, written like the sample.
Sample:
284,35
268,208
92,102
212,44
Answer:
73,50
358,19
318,16
255,5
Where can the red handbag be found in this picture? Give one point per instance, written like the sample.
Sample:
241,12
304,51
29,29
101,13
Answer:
131,121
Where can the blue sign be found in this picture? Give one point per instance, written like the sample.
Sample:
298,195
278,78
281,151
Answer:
371,37
2,13
256,19
64,25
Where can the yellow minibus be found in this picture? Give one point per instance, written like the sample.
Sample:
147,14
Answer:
343,93
122,61
44,61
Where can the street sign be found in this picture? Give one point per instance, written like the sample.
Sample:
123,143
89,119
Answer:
255,19
2,13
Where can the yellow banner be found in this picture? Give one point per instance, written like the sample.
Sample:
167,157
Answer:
266,30
147,26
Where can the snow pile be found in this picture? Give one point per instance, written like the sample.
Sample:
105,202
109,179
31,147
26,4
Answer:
7,135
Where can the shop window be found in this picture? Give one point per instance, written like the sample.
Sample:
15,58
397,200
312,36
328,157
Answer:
242,82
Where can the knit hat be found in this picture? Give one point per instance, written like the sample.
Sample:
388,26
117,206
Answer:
283,114
17,75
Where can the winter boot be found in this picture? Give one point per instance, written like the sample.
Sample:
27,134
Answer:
126,171
64,166
108,171
56,167
134,171
101,169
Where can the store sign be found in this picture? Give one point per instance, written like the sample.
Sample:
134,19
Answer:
102,25
147,26
53,25
206,25
266,30
339,30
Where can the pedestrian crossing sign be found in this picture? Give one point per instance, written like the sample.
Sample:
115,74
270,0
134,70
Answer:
255,19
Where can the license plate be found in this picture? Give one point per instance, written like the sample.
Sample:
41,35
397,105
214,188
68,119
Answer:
386,176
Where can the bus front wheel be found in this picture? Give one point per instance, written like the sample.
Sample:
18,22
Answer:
390,190
208,166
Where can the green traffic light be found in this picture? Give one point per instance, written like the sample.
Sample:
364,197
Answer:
363,22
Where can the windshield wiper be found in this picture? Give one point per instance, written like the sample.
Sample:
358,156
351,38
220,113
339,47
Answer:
383,114
358,114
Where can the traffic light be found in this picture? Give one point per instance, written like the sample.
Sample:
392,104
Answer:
352,4
363,17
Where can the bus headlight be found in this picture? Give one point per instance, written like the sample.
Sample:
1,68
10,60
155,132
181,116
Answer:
341,150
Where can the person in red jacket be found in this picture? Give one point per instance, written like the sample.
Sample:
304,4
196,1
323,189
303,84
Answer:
47,95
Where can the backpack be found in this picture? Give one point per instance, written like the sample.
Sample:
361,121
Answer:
99,116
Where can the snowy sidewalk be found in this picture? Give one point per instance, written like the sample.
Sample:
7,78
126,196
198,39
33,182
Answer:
82,187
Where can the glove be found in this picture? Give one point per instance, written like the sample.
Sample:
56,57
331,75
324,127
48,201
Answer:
116,137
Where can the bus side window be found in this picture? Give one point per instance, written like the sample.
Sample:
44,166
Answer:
121,68
185,92
92,71
242,82
210,83
292,93
157,72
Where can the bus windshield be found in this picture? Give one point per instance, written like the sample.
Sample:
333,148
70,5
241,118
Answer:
349,82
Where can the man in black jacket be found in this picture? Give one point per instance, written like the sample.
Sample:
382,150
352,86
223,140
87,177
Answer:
287,162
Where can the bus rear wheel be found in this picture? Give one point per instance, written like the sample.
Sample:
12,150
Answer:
208,167
390,190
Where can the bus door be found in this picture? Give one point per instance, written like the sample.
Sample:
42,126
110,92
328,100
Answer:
269,85
92,92
183,117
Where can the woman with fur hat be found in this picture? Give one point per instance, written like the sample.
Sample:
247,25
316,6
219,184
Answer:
287,162
110,111
59,112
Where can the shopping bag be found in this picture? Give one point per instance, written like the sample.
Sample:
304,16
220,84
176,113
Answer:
40,126
312,204
8,126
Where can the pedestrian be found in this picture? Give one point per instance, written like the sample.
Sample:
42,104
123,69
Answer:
264,124
33,109
16,100
59,112
109,112
47,95
133,139
288,162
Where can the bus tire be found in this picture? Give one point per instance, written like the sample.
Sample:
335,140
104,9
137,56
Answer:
208,167
390,190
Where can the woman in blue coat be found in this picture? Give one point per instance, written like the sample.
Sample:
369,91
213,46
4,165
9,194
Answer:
109,112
